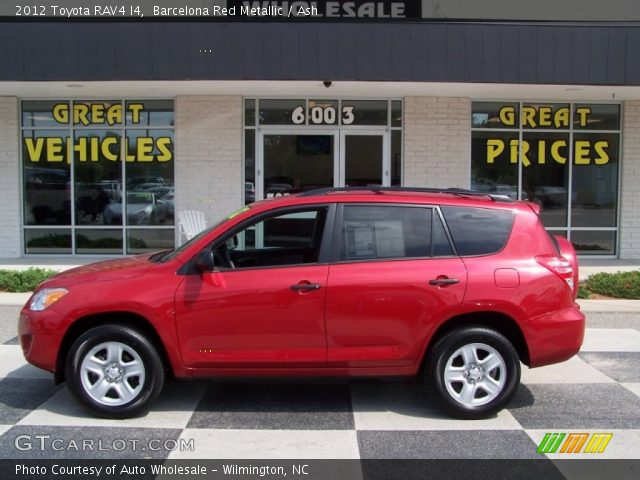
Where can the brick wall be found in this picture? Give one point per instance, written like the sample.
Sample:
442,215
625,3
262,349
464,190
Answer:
437,142
630,182
9,179
208,170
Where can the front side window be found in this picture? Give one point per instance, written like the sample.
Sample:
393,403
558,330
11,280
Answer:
391,232
291,238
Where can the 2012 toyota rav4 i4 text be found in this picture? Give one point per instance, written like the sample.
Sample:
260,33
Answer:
455,287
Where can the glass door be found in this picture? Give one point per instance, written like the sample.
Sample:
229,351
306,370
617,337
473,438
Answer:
291,163
295,161
364,158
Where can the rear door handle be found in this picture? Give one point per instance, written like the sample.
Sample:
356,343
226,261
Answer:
305,287
443,281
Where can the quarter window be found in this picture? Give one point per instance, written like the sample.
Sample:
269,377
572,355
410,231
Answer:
478,231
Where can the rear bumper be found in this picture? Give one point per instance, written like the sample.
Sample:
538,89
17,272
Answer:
555,337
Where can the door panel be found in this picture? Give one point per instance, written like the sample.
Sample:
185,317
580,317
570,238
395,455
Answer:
390,284
245,318
265,306
379,312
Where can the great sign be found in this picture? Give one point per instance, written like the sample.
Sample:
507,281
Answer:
93,148
585,152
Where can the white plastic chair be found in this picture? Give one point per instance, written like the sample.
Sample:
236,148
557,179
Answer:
191,222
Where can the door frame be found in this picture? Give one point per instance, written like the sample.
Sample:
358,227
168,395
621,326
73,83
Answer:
339,150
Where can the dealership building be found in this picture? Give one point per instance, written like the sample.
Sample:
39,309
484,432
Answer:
108,130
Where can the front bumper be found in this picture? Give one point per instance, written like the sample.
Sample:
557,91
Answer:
40,335
555,337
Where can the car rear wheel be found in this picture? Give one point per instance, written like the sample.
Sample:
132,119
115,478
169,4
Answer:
115,371
473,372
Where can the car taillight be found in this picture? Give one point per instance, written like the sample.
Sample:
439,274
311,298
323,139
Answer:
560,266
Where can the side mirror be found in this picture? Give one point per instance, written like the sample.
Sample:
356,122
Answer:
204,261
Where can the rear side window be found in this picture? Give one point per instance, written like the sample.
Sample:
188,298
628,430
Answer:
478,231
385,232
371,232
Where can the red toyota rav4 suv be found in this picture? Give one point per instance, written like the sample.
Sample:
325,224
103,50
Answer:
453,286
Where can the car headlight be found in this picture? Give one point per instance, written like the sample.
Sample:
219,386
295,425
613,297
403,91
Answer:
46,297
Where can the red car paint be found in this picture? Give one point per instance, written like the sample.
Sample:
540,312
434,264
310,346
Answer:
369,318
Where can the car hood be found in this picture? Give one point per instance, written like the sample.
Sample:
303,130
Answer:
121,268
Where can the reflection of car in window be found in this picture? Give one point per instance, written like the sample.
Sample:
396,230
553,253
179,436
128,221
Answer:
551,197
249,192
140,183
510,191
143,208
276,189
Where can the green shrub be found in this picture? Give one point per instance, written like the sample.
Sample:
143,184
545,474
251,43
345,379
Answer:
23,281
583,293
619,285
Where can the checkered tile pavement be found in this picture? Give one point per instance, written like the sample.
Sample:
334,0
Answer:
597,391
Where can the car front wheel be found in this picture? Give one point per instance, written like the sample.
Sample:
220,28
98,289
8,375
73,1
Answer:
115,371
473,372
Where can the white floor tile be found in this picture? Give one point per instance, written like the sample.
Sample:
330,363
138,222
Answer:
13,364
173,409
634,387
406,407
574,370
611,340
269,444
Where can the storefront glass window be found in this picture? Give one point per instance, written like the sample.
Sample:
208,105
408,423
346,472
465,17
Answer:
249,166
396,113
250,112
94,161
282,112
499,174
564,157
396,158
545,174
46,178
365,112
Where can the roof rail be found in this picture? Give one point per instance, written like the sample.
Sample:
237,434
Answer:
380,190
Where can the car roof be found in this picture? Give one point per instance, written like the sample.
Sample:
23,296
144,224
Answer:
407,195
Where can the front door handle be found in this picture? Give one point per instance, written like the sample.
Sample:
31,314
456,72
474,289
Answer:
443,281
305,287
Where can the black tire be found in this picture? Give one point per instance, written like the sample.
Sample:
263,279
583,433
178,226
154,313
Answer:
443,392
146,391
